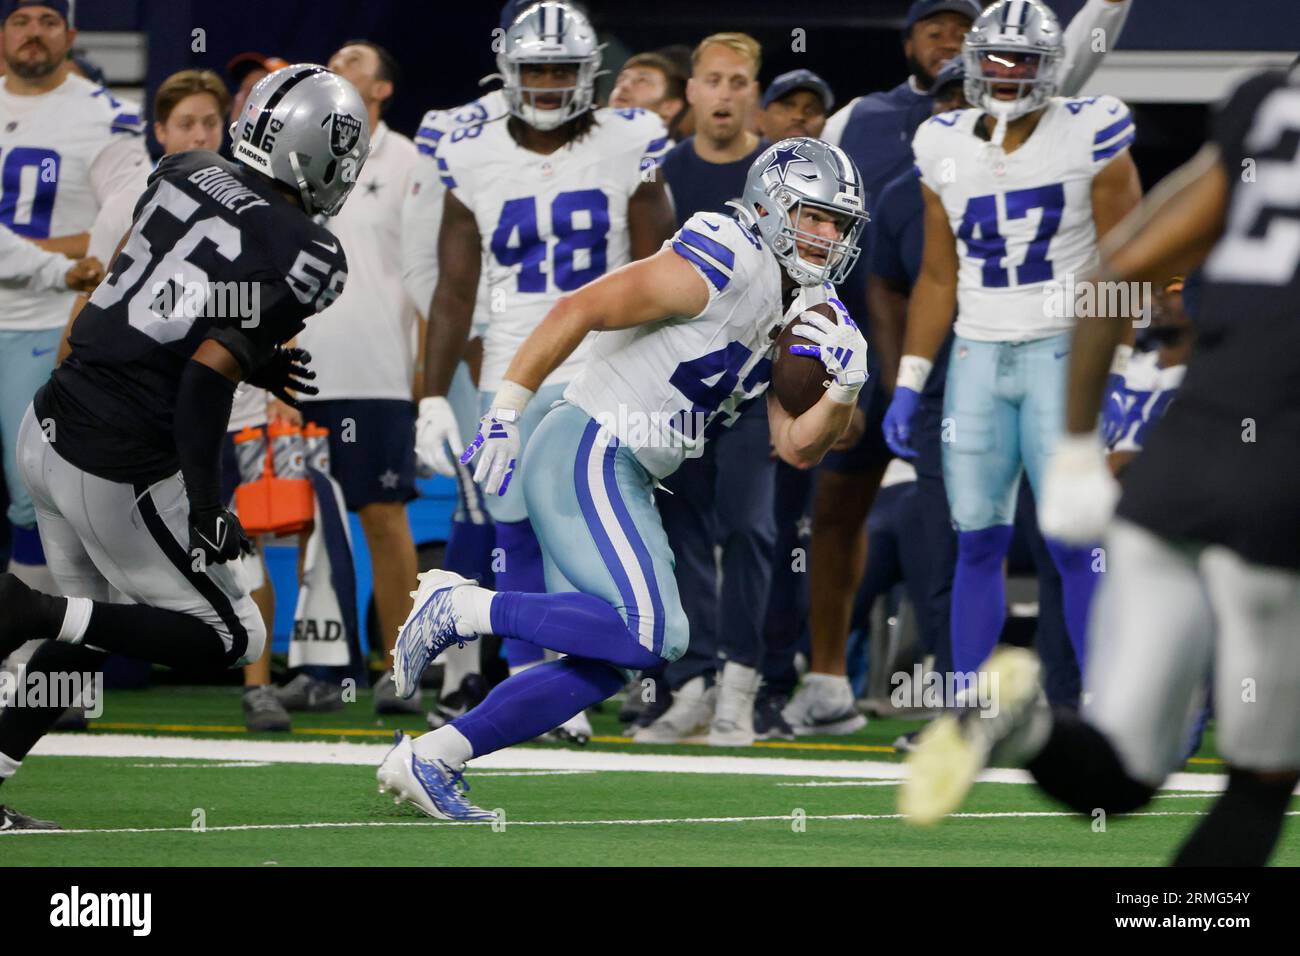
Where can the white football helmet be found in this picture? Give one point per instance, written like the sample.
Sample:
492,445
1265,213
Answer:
1013,34
551,32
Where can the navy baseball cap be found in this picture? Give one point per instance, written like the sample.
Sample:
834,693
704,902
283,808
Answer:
924,9
954,71
62,7
799,80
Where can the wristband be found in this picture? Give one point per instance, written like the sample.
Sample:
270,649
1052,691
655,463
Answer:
844,394
913,370
1119,364
511,397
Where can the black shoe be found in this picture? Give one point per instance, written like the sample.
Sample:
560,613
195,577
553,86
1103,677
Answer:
13,820
28,615
264,712
459,702
307,693
769,723
72,720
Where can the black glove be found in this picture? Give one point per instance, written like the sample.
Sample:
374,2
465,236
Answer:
218,535
286,369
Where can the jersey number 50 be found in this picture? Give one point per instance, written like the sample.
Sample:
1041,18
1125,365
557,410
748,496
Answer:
519,217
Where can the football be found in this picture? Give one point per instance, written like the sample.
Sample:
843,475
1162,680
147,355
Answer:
799,380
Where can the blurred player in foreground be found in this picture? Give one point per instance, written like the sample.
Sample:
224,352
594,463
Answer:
1204,550
639,407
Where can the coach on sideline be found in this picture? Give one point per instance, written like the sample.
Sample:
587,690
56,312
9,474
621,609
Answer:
363,352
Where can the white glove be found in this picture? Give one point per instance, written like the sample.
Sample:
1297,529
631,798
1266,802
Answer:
436,432
1079,492
840,346
498,437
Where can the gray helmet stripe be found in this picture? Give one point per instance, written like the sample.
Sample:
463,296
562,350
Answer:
274,100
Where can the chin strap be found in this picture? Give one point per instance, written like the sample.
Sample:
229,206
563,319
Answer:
308,205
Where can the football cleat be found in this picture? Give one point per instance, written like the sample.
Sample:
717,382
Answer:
12,820
951,752
575,730
430,786
825,706
769,722
387,701
430,629
690,714
459,702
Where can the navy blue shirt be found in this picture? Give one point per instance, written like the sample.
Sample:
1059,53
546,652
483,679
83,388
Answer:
877,135
700,186
896,254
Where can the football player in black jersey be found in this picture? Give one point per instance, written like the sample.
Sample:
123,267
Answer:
1203,554
121,448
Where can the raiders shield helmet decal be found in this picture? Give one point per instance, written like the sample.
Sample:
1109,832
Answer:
345,130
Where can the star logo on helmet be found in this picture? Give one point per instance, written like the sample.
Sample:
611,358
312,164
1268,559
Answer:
784,158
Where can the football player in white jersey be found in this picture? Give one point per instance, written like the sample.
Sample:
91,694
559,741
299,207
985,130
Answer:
540,202
472,537
363,351
1017,191
66,146
686,336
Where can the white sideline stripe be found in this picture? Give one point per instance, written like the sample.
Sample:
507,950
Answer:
839,783
362,824
522,758
205,765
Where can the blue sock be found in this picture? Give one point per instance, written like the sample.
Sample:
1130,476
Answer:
532,702
570,622
27,546
469,551
1078,581
979,600
522,571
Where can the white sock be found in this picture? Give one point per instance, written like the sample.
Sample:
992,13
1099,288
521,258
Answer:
446,744
8,766
457,664
473,607
75,620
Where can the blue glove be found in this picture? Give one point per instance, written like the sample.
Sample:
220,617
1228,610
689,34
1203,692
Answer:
898,421
1115,409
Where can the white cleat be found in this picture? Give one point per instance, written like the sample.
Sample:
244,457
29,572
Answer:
430,786
430,628
733,719
951,752
823,705
690,714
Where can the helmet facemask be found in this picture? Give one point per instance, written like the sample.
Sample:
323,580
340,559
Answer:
785,241
991,71
574,100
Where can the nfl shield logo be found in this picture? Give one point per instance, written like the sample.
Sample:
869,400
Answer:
345,130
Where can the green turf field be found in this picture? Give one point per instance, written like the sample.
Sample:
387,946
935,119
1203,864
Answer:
189,787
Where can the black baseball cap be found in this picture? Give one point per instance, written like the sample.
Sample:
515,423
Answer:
62,7
799,80
924,9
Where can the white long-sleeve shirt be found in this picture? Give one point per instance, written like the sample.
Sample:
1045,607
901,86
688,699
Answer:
64,153
25,265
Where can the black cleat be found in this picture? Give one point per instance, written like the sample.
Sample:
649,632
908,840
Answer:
769,722
459,702
28,615
12,820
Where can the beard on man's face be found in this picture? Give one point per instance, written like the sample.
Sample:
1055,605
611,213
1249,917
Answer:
923,77
30,69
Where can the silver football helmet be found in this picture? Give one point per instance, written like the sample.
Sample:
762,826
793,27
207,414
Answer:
307,128
550,32
789,177
1011,34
